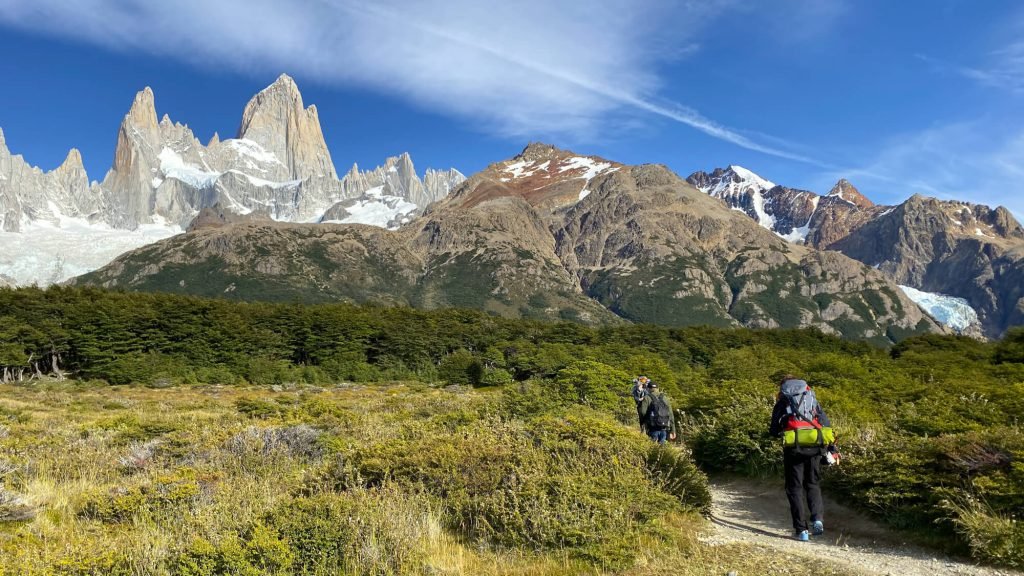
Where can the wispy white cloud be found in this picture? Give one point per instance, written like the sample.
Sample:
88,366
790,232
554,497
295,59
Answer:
1002,69
979,161
525,68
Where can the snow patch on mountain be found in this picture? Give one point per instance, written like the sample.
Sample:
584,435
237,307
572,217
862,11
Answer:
751,178
172,165
246,147
377,209
799,235
951,311
592,167
44,253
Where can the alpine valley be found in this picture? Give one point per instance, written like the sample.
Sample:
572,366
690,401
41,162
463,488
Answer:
547,234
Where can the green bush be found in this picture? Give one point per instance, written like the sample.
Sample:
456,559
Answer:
372,532
993,538
461,367
258,552
598,386
568,479
675,473
727,429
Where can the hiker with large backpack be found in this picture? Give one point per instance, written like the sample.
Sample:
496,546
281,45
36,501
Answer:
658,420
807,437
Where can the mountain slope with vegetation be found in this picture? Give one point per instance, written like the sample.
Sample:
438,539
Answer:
941,247
547,235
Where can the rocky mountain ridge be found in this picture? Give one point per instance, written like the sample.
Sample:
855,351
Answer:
938,247
277,167
546,234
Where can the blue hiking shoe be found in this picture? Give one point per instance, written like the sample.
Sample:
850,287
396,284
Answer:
818,528
803,536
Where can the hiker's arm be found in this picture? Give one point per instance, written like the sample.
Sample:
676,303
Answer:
823,418
778,414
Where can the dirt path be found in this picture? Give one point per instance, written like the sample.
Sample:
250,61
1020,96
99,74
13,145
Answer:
754,512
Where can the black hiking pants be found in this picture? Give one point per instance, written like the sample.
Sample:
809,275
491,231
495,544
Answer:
803,479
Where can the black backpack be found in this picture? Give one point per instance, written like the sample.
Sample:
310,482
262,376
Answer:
659,415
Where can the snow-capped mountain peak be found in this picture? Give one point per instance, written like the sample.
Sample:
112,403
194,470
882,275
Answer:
750,178
741,188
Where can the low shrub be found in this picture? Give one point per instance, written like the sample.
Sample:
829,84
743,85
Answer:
732,436
165,494
300,441
372,532
257,552
674,472
572,479
993,537
139,456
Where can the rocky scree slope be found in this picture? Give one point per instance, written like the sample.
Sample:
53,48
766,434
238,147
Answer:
939,247
546,234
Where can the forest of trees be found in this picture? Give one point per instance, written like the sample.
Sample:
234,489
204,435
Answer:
144,338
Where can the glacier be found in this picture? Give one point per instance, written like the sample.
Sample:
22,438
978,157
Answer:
45,253
951,311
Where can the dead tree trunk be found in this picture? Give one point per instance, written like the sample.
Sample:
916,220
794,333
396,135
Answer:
55,358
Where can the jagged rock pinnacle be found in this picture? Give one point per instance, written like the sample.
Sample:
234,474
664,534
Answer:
143,111
276,120
848,192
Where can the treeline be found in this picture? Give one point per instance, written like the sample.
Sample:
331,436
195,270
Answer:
147,338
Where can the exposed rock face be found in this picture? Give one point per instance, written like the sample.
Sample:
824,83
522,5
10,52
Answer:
396,187
28,193
786,211
276,120
952,248
544,176
547,234
216,216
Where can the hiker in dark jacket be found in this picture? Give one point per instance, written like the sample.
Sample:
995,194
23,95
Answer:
638,392
805,430
658,420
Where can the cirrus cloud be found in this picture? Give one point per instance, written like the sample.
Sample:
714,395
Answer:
521,68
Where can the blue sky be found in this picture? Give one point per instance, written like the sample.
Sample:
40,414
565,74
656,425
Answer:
899,97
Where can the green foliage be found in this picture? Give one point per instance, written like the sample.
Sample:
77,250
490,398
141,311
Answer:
461,367
930,428
727,428
675,473
357,532
1011,349
259,552
992,537
594,384
569,479
165,493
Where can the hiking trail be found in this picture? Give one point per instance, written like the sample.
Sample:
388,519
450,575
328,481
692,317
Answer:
756,512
